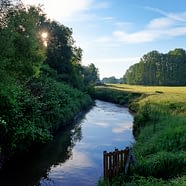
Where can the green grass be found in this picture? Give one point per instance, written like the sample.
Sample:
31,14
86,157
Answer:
160,132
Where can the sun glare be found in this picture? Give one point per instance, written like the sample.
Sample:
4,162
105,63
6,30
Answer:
44,36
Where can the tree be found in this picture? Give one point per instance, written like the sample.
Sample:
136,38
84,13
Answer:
90,74
22,54
155,68
111,79
33,104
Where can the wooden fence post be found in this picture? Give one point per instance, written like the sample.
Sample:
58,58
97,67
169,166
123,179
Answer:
105,164
116,161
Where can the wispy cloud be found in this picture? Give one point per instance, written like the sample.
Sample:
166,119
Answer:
173,16
169,26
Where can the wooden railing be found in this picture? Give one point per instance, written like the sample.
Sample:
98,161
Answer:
116,162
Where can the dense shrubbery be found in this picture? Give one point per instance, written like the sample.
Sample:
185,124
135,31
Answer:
32,115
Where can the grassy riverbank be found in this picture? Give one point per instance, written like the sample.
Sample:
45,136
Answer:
160,132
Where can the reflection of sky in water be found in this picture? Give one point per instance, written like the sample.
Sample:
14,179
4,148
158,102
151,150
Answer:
106,127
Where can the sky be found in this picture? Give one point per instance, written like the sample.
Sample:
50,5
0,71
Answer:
115,34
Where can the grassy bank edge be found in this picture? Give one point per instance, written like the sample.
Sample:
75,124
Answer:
159,129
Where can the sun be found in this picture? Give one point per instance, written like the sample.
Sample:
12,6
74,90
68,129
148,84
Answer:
44,35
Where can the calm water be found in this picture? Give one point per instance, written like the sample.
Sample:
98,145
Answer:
75,156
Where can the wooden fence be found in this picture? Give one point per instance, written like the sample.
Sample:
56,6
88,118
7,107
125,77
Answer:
116,162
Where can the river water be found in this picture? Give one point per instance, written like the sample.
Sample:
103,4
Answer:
74,157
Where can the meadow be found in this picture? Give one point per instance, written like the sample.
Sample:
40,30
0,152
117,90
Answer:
160,132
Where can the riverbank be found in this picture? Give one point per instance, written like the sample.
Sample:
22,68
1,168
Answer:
160,132
37,113
74,156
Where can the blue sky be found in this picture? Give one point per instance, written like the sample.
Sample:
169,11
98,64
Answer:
114,34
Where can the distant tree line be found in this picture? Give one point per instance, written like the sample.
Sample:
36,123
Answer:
156,68
112,80
42,82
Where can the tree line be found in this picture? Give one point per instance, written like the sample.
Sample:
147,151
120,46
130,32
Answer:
112,80
43,84
157,68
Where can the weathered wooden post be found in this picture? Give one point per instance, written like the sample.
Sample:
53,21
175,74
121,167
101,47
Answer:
116,161
127,159
105,164
110,164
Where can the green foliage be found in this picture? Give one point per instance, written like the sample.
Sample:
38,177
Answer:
35,102
90,74
161,139
155,68
161,164
112,80
144,181
160,132
62,55
115,96
23,54
31,114
59,102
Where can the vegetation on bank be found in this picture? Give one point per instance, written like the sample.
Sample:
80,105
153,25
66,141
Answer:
160,133
110,94
42,82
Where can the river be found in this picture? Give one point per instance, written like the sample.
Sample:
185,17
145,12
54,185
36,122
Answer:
74,157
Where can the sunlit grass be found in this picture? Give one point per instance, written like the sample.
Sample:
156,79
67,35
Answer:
156,94
149,89
160,131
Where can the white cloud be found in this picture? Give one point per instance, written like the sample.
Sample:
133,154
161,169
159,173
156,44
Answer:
137,37
149,35
160,23
172,25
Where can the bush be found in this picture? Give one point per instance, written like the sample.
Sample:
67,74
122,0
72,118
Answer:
31,114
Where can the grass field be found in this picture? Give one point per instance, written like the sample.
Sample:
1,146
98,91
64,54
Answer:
164,93
160,131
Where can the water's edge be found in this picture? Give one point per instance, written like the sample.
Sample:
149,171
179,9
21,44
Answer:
75,155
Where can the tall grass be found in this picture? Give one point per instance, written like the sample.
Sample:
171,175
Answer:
160,132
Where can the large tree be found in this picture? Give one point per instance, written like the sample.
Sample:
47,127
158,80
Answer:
62,55
21,49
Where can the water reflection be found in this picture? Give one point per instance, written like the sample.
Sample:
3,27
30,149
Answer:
28,169
75,156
